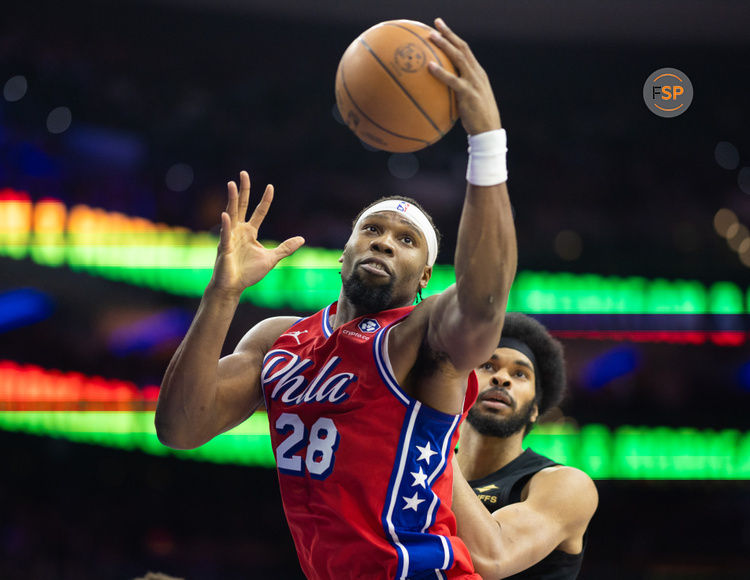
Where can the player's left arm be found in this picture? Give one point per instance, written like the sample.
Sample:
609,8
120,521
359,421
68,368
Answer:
560,503
466,319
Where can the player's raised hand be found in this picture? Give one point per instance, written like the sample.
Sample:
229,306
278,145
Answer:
242,260
476,101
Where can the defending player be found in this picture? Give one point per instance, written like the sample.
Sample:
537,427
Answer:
363,398
535,513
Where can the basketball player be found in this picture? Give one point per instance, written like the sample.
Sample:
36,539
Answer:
364,397
535,513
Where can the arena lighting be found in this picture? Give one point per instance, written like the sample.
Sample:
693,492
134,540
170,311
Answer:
246,444
22,307
175,260
150,332
613,364
604,453
723,220
119,414
743,375
692,337
32,388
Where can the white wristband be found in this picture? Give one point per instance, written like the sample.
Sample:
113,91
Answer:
487,165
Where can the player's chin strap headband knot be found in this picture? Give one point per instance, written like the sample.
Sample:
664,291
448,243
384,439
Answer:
414,215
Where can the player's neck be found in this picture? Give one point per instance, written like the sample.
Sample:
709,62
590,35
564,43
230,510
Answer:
480,455
346,311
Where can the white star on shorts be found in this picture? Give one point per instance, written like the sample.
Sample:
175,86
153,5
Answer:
419,478
412,503
426,453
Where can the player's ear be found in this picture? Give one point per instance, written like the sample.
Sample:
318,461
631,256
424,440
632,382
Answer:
534,414
425,278
344,251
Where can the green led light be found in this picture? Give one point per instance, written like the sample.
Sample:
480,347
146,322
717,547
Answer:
309,280
725,298
565,293
625,453
647,452
177,261
246,444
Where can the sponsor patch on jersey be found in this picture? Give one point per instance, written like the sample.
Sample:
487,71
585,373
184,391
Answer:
369,325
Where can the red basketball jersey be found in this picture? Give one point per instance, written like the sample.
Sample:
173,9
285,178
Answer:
364,469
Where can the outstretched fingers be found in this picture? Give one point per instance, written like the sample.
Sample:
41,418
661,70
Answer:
232,197
244,196
288,247
261,210
225,233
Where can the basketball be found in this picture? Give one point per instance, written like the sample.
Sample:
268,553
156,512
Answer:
385,92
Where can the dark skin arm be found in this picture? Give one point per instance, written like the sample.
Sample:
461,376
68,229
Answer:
460,328
203,395
557,505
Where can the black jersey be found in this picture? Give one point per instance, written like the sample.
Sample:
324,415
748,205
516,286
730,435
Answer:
504,487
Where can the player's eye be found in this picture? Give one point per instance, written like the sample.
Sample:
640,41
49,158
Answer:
408,240
487,367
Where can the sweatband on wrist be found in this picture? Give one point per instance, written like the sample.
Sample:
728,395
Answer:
487,164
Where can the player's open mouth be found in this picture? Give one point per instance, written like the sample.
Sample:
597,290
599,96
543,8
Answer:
491,404
496,400
375,266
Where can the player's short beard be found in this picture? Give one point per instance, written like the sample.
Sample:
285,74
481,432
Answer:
496,426
371,298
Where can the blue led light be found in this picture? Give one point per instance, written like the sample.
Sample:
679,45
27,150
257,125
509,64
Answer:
149,333
744,376
23,307
613,364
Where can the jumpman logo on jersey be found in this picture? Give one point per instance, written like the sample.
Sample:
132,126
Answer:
295,334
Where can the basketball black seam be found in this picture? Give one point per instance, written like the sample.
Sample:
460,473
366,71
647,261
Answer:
351,98
437,58
395,80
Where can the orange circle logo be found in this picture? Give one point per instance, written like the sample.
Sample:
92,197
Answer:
668,92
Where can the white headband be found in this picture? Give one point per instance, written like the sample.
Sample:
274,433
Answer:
414,215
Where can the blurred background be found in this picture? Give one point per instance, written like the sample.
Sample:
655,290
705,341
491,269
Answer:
121,122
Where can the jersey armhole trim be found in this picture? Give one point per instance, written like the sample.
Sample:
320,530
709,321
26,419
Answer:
326,323
383,364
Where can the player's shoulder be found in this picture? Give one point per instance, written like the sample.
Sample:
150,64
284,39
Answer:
566,484
564,473
420,314
266,332
408,334
275,324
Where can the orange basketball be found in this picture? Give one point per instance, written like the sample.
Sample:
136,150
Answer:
386,94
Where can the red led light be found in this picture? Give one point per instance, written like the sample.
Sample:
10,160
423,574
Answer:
31,388
720,338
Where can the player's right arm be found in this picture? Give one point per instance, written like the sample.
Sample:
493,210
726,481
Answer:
557,509
202,394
